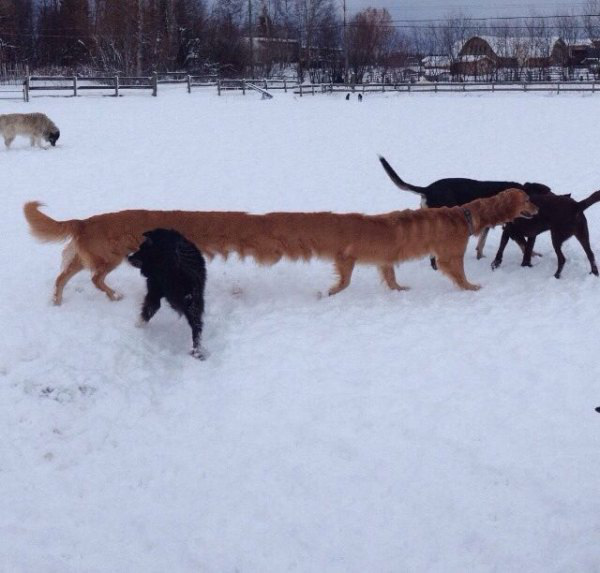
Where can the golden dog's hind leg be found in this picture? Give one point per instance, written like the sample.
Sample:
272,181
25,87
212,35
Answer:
389,277
72,268
98,277
71,265
344,267
454,268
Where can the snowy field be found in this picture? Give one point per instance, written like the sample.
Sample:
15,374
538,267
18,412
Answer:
374,431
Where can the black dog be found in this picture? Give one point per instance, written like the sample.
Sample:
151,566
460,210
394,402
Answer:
458,191
563,217
174,269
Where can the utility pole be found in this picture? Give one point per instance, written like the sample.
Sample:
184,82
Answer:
345,47
250,33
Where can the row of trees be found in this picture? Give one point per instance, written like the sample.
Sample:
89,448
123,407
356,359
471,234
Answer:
246,36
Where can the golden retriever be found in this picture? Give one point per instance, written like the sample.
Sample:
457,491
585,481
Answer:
101,242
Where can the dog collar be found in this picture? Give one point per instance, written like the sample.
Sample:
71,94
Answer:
469,219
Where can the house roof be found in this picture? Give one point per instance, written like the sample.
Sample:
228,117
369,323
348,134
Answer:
509,46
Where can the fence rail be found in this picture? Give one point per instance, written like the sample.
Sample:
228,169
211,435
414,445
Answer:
453,87
116,84
74,84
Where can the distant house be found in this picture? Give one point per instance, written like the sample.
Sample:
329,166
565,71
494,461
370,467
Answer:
495,57
268,50
584,59
436,68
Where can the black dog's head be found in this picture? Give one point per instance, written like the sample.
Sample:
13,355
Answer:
536,189
153,249
52,137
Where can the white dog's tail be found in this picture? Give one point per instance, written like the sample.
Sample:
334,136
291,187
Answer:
46,228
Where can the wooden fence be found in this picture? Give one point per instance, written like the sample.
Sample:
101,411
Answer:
116,84
452,87
260,85
76,84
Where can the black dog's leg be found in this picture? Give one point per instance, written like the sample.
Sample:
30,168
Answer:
528,253
583,236
151,302
503,242
194,309
557,241
433,263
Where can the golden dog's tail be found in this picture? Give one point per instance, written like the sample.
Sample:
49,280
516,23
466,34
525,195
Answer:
45,228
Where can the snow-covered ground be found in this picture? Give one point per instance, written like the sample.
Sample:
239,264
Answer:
374,431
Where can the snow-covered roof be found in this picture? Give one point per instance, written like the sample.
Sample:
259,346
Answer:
436,61
509,46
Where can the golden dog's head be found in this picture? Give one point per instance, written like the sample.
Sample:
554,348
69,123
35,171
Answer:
518,203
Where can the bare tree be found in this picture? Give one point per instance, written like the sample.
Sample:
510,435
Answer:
591,20
310,15
370,39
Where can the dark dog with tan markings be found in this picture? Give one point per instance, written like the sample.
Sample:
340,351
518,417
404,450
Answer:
456,191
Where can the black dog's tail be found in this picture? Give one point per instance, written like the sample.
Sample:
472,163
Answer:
593,198
396,178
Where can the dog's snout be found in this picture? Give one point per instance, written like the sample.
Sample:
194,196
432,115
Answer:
134,260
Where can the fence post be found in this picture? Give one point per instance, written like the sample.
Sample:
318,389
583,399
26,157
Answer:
26,89
189,84
558,87
219,86
116,86
154,84
284,86
74,86
243,87
313,89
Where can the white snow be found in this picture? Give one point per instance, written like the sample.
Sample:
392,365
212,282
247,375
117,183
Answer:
430,430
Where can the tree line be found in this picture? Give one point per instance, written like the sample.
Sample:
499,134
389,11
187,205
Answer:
315,38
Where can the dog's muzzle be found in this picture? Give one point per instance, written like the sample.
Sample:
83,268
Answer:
526,215
134,261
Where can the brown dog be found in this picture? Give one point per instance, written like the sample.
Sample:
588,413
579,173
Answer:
101,242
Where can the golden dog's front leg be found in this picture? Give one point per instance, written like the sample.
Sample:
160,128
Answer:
389,277
481,242
454,268
343,267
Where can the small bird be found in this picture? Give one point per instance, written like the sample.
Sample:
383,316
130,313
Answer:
359,97
347,97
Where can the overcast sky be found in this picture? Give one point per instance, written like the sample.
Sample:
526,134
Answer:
431,9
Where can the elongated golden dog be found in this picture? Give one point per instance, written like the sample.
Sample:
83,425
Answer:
101,242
